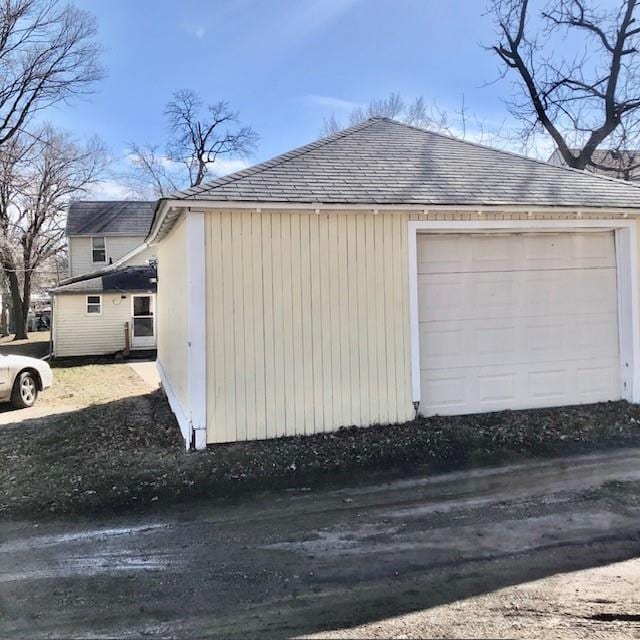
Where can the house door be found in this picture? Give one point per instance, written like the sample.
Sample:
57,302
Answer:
143,333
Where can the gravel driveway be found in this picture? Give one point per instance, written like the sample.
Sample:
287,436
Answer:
526,551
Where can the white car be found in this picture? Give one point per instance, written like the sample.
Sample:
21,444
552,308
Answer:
21,378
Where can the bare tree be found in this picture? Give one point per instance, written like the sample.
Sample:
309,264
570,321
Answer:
39,173
199,135
457,123
330,125
582,96
151,170
48,54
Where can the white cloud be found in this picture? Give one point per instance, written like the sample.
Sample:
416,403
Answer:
195,30
108,190
222,167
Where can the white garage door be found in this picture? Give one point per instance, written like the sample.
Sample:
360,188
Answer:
512,321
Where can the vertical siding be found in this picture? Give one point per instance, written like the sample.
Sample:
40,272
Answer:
173,310
308,322
80,255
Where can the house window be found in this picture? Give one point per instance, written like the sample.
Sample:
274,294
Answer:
98,251
94,304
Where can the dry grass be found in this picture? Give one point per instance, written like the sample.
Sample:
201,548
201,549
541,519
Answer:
84,385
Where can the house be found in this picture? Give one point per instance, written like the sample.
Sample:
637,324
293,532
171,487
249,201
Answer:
620,163
99,233
386,270
108,303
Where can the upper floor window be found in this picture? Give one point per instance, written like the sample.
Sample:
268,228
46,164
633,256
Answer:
98,250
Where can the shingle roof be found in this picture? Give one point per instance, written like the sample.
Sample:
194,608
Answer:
119,217
382,161
134,278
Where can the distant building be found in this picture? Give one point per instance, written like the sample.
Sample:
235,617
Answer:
107,304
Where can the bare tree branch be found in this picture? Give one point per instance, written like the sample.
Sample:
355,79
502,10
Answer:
579,102
199,136
48,54
417,113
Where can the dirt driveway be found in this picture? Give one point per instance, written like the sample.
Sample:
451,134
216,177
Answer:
539,550
82,385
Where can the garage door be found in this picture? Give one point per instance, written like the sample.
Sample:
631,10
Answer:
512,321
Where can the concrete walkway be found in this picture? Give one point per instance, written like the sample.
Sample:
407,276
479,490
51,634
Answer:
147,371
525,551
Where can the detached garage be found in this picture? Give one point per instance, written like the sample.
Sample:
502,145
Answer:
387,270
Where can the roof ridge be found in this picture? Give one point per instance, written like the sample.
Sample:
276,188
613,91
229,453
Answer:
276,160
89,275
85,202
513,154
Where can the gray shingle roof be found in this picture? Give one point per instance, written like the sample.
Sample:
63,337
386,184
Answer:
382,161
134,278
126,217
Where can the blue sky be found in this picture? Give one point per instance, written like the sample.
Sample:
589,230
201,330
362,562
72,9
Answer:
283,64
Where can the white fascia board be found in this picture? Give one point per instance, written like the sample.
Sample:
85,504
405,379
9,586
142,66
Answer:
197,327
317,207
311,207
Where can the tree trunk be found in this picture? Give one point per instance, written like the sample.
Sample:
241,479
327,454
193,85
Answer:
18,306
4,329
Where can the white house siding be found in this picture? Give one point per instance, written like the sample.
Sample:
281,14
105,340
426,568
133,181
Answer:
141,258
77,333
80,252
307,322
173,312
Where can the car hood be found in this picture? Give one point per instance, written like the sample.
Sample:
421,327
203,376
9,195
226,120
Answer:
19,362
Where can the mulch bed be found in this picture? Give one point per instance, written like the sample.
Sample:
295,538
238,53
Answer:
129,453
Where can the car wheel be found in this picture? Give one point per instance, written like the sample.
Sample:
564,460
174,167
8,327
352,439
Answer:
25,391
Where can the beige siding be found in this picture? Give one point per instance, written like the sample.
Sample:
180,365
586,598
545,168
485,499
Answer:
173,310
141,258
80,253
307,322
77,333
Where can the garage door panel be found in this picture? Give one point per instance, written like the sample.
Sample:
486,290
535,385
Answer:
545,337
448,393
483,342
465,296
517,338
449,253
443,344
596,336
548,383
489,295
497,387
476,389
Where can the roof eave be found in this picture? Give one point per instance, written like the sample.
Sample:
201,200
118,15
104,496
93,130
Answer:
315,207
